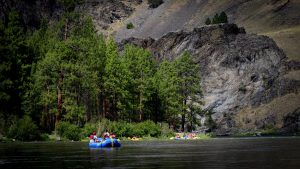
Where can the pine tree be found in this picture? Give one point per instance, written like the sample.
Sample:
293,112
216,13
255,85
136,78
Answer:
140,64
223,18
14,64
166,82
208,21
189,85
216,19
115,79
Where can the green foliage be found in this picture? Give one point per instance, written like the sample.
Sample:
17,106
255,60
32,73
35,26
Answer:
124,129
130,25
44,137
222,18
155,3
166,82
149,128
24,129
88,129
243,88
189,89
166,131
209,121
68,130
67,72
207,21
14,64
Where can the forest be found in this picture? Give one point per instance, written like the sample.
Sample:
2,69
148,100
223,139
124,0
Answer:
66,74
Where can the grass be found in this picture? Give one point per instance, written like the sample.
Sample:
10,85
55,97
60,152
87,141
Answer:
288,40
278,108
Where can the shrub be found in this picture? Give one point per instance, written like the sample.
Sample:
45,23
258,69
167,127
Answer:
243,88
44,137
130,26
68,130
24,129
166,132
148,128
124,129
210,123
208,21
155,3
88,129
222,18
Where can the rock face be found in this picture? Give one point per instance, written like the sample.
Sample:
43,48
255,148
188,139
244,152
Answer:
238,71
106,12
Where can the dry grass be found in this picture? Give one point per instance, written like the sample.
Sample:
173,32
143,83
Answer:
278,108
295,75
288,40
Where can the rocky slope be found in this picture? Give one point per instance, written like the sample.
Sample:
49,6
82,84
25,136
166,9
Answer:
241,74
279,19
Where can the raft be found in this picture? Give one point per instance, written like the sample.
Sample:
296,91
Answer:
105,143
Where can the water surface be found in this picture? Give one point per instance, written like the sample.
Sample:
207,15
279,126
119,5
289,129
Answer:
245,153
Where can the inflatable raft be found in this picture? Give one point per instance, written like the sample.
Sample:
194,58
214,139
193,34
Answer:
105,143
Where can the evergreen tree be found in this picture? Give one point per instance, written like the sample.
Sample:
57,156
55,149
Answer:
216,19
189,85
166,82
115,79
71,71
223,18
208,21
141,66
14,64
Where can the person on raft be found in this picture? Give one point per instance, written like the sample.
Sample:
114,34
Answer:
93,137
106,135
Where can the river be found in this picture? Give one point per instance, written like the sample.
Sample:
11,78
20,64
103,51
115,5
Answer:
220,153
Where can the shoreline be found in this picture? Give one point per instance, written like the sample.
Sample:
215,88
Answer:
158,139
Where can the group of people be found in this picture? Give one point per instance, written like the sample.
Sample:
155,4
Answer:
93,137
186,136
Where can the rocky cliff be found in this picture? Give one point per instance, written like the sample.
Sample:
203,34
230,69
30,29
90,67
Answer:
242,75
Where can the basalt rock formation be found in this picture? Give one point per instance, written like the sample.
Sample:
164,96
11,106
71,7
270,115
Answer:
241,75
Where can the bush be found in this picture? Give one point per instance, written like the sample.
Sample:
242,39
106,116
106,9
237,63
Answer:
243,88
130,26
69,131
88,129
166,132
155,3
149,128
44,137
210,123
24,129
208,21
124,129
222,18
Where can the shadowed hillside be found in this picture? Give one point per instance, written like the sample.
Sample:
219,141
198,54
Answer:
279,19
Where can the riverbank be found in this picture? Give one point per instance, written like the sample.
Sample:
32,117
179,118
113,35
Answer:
53,138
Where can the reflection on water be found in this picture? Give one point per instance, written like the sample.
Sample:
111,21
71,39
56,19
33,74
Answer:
216,153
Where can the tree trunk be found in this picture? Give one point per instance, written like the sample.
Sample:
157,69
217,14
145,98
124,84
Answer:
66,30
140,107
183,116
59,97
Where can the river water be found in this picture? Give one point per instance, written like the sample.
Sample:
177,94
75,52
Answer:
223,153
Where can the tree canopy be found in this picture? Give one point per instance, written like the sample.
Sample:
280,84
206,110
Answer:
66,72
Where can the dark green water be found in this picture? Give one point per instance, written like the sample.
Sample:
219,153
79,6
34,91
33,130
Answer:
246,153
